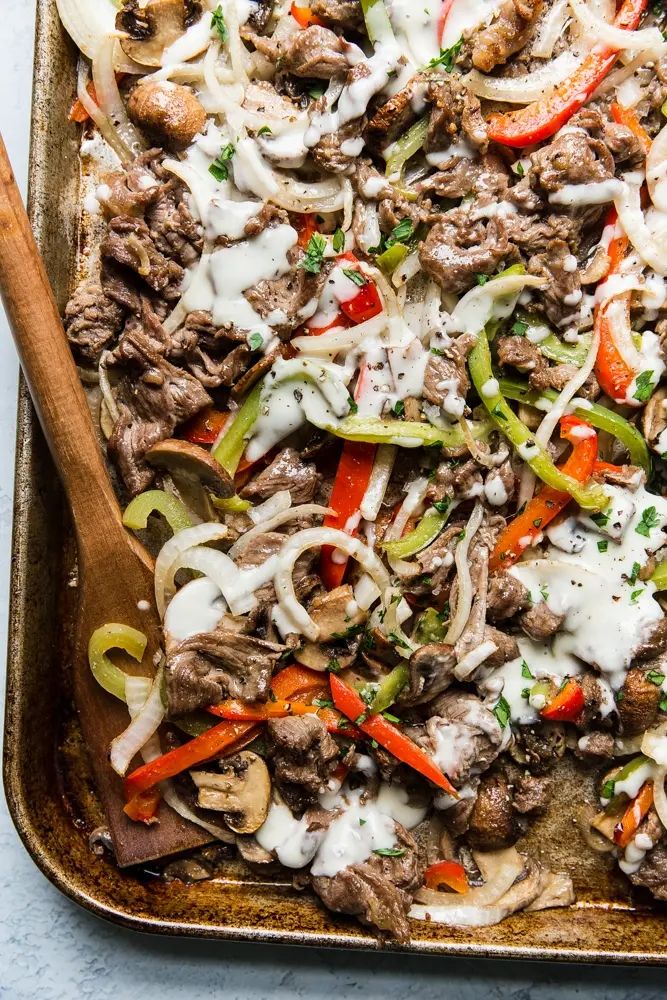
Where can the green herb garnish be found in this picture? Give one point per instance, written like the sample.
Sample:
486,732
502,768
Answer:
355,276
338,241
649,520
502,712
398,409
218,22
312,261
447,57
219,168
643,386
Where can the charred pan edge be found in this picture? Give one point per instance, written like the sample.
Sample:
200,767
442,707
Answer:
34,619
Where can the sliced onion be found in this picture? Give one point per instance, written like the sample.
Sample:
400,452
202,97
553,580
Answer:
525,88
310,538
551,29
377,485
237,586
339,338
656,170
109,99
412,502
594,839
464,594
105,386
176,546
500,870
659,797
408,269
175,802
106,129
348,204
616,38
474,310
308,196
654,744
140,730
611,83
277,504
302,510
631,218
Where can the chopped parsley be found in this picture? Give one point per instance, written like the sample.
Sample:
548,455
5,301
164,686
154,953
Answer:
442,506
497,411
526,671
525,693
518,168
389,852
312,262
649,520
389,717
219,168
265,130
643,386
218,22
362,822
401,233
338,241
607,790
544,591
353,406
481,279
333,665
635,595
315,91
355,276
632,579
537,523
603,545
396,639
663,704
398,409
519,328
447,57
502,712
600,519
323,703
655,677
256,341
360,719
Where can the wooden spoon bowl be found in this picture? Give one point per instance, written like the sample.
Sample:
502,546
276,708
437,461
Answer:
115,578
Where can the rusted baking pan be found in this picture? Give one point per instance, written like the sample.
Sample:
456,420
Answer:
47,780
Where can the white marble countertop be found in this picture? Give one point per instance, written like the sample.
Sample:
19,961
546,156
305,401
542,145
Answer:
52,950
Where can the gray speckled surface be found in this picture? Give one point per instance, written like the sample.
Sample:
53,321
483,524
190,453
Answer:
52,950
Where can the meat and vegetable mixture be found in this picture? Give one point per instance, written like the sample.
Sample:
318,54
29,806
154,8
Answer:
379,324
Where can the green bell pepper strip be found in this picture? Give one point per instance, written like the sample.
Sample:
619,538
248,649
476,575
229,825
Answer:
548,344
376,430
114,636
659,576
392,257
390,688
230,448
231,505
378,25
405,147
479,362
426,532
172,509
597,416
625,772
431,627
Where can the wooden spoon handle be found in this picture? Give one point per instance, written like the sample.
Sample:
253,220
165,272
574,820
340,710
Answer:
47,361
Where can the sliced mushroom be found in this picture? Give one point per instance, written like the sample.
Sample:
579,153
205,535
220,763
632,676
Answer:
337,615
167,111
188,461
153,27
241,790
654,417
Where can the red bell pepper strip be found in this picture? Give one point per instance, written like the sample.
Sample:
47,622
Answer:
305,224
386,734
524,529
442,18
629,822
629,118
212,743
77,112
236,710
299,683
567,705
611,369
542,118
449,873
142,807
353,474
365,305
205,427
304,16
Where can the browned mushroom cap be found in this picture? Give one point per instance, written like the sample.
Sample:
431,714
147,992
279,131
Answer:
152,28
167,111
654,417
181,458
241,790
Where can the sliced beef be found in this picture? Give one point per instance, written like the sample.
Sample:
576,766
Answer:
655,643
492,823
507,34
562,295
172,228
573,157
595,744
456,113
337,151
540,622
652,873
507,647
396,115
535,234
531,794
464,735
520,353
92,321
128,244
457,249
211,666
346,14
262,548
129,192
303,756
460,176
506,596
287,301
446,382
637,702
268,215
153,402
431,672
286,472
377,891
316,52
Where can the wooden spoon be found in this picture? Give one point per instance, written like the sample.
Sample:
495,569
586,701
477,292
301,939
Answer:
115,571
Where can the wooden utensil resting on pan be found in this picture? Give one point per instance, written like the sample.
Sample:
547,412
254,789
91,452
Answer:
115,571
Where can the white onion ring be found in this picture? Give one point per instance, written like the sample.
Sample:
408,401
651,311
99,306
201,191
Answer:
176,546
383,465
309,538
277,504
301,510
525,88
631,218
140,730
340,338
656,170
308,196
551,29
474,310
237,586
659,797
108,96
106,129
464,596
616,38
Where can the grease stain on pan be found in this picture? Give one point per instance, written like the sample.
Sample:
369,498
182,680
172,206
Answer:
47,780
